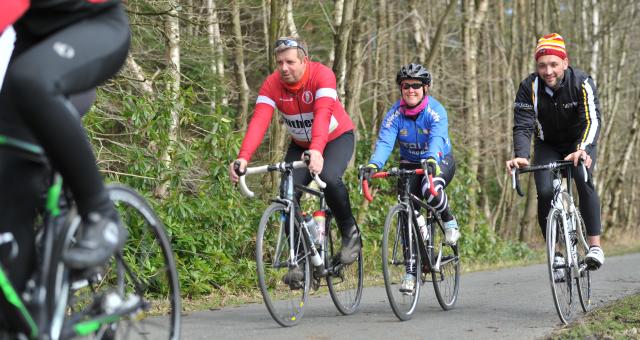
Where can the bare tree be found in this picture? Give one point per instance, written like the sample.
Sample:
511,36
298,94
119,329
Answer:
217,62
172,42
241,79
474,17
342,45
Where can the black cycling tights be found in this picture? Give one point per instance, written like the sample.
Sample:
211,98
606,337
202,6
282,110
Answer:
336,156
44,71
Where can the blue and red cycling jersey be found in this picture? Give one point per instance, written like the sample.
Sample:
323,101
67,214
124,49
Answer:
425,136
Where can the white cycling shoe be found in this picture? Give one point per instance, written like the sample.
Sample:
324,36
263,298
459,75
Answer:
594,258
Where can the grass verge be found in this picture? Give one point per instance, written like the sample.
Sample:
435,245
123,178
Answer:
618,320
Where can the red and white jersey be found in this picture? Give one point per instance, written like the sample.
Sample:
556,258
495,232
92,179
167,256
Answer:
10,11
313,115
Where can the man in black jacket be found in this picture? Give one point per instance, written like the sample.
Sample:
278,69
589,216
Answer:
561,104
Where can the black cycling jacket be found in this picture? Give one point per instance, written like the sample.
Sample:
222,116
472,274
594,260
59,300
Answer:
568,118
46,16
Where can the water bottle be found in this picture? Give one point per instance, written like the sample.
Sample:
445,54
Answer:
311,225
423,225
319,219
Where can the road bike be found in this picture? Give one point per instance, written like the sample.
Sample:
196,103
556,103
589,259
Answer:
406,248
123,300
284,242
566,238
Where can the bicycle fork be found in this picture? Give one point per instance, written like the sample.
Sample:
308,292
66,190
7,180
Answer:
568,229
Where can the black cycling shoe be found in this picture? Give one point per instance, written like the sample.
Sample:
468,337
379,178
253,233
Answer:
351,246
96,242
294,278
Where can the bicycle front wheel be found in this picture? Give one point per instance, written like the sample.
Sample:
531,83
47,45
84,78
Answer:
137,296
582,248
559,271
446,266
399,254
344,281
274,253
149,269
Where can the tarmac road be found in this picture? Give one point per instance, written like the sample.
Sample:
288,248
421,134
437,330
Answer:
512,303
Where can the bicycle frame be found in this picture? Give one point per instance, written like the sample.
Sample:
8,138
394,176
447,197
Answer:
567,213
409,201
292,208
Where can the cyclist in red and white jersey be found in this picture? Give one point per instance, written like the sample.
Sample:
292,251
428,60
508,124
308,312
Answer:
304,92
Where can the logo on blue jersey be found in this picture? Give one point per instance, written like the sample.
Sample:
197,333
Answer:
404,132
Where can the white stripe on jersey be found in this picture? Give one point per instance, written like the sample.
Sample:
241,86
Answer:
327,92
7,40
535,107
593,117
266,100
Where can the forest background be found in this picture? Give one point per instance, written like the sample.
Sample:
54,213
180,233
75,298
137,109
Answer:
173,119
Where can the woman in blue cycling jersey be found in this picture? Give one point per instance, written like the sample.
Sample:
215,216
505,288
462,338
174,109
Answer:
419,123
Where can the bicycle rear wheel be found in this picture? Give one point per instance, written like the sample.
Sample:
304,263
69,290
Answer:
559,273
446,274
584,279
138,294
344,281
394,262
285,302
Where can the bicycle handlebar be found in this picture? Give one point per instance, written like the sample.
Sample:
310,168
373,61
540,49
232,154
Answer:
515,181
282,166
395,172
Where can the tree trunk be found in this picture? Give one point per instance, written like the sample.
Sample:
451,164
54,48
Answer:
474,17
337,22
238,59
144,85
291,24
342,46
217,61
595,38
355,75
277,132
172,36
435,43
623,166
419,31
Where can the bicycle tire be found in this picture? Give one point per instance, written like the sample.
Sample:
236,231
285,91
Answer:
345,283
446,280
394,263
285,305
143,273
561,284
584,279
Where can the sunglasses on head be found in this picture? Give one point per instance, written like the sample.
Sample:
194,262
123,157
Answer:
289,43
415,86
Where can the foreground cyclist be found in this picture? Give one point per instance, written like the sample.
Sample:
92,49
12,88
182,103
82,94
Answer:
560,103
304,92
62,47
419,123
